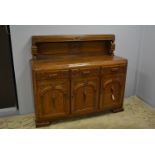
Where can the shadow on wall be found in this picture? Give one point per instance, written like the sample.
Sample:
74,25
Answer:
25,81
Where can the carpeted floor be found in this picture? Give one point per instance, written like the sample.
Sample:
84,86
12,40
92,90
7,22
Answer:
137,115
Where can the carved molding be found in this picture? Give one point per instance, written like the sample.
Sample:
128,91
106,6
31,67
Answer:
112,47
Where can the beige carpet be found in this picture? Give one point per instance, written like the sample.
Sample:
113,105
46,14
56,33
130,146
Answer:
137,115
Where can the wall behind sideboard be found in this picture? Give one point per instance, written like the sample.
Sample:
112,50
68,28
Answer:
127,45
146,67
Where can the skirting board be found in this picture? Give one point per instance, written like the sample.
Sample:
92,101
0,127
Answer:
8,112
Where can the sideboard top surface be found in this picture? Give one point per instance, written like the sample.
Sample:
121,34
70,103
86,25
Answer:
73,62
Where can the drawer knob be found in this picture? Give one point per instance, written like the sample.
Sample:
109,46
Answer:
52,75
114,69
86,72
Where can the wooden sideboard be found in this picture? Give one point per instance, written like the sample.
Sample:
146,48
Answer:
76,75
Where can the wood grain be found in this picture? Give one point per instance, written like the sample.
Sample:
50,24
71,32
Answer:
76,75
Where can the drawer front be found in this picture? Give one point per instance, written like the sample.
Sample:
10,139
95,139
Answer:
52,75
113,70
85,72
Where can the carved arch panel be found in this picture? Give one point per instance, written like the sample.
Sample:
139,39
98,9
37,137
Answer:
54,99
111,92
84,95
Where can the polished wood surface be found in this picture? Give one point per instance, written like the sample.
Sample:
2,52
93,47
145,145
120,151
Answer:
69,38
75,76
44,46
76,61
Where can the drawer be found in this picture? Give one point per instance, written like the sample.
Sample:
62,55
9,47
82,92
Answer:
85,72
113,70
52,75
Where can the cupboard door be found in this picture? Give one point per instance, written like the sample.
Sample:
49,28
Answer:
84,96
112,88
53,99
84,92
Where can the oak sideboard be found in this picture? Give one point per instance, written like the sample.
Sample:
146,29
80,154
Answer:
75,76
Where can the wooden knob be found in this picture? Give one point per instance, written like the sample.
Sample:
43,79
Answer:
114,69
85,72
52,75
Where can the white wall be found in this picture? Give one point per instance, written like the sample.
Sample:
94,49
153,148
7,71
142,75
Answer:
127,45
146,67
